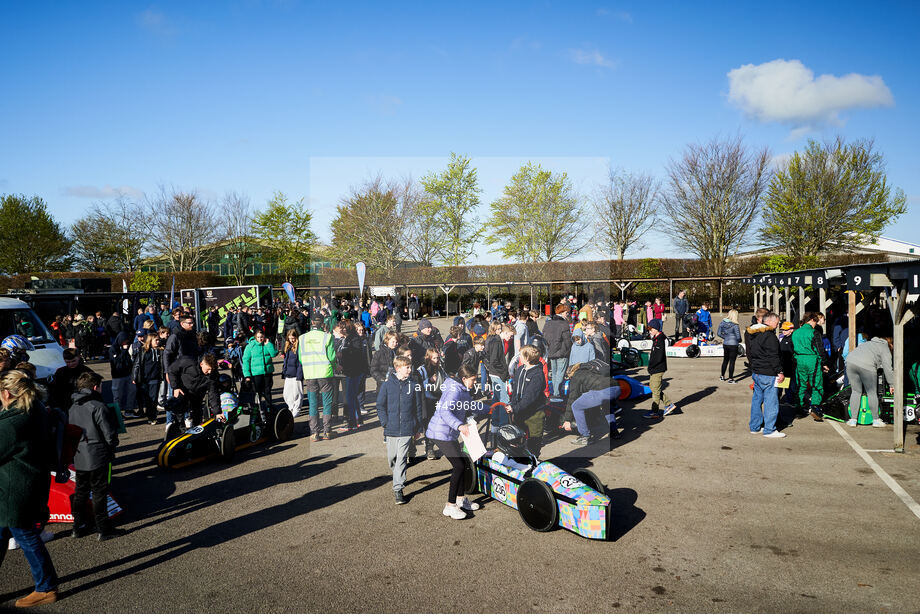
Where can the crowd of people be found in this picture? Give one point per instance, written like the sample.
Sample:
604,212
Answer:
498,361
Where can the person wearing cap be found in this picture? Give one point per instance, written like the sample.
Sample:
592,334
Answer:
425,338
317,355
657,367
766,371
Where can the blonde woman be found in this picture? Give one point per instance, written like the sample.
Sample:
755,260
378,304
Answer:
730,333
292,374
24,481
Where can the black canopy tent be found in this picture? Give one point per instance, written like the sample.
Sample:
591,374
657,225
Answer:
895,284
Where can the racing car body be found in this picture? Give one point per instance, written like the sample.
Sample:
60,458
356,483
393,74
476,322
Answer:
214,438
544,495
59,501
693,347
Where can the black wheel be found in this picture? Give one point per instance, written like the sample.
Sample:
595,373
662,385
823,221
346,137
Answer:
623,342
470,485
283,424
537,505
741,351
693,350
227,443
590,480
631,357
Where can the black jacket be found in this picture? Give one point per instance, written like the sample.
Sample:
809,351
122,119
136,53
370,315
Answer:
586,378
528,393
558,337
120,358
762,349
495,360
352,356
420,343
473,359
178,344
148,366
100,430
657,359
64,385
382,364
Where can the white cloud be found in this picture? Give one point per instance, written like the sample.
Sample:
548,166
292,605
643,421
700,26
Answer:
621,15
591,57
787,91
154,20
780,161
90,191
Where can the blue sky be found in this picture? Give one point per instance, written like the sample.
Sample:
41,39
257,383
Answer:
311,98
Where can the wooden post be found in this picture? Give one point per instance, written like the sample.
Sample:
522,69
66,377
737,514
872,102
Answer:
531,298
899,318
822,298
788,306
721,310
488,297
776,299
851,318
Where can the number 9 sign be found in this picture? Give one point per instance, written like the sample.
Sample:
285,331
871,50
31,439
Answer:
858,280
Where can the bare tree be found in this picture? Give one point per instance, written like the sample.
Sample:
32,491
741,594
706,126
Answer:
182,227
712,198
421,238
237,214
371,224
625,207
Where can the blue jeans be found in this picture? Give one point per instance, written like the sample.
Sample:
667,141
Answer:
593,398
765,396
30,540
352,385
499,395
557,369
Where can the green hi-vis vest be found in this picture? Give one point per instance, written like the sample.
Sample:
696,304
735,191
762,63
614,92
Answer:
316,354
281,325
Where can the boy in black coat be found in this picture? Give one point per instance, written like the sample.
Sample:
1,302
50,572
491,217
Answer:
95,452
528,397
657,366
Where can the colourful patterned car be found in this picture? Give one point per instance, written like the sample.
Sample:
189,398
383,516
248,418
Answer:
545,495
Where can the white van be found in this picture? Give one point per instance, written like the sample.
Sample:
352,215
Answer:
17,318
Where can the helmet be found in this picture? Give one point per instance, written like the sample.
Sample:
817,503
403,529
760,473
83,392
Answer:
224,383
512,441
17,342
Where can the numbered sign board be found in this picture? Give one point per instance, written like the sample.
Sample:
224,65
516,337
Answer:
858,280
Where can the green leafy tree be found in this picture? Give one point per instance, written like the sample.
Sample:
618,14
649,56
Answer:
145,281
538,217
286,225
91,248
30,238
832,196
454,194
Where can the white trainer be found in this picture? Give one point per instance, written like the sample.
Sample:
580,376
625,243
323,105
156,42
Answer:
453,511
851,422
878,424
466,505
757,432
775,435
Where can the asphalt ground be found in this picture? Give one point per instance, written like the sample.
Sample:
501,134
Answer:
707,518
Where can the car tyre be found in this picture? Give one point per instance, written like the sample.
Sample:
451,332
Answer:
227,443
537,505
283,424
693,351
470,485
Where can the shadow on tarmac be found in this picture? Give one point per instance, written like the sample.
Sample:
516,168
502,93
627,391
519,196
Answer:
228,530
151,493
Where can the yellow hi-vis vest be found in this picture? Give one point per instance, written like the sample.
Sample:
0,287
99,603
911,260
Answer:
316,354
